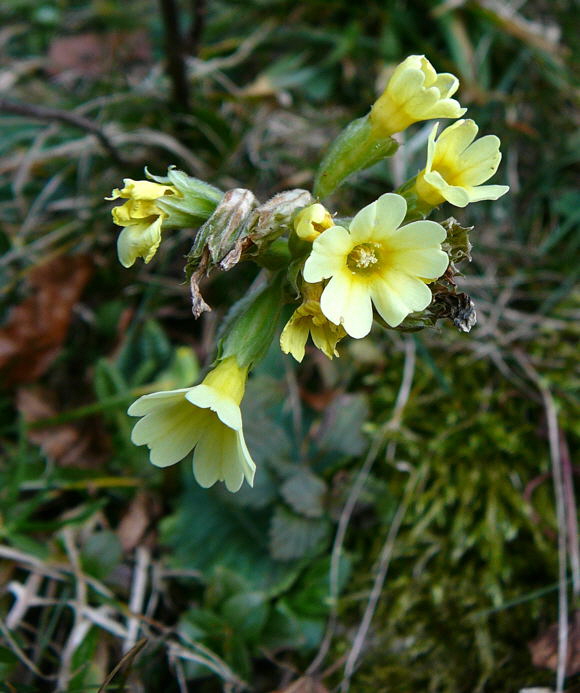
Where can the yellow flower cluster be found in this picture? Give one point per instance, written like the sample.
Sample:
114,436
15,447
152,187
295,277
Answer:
456,165
345,274
140,218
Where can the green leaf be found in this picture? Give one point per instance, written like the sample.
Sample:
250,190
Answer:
208,531
101,553
292,536
311,596
341,427
282,629
304,493
246,613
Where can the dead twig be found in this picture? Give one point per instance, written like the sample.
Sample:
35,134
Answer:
392,424
174,50
561,513
69,118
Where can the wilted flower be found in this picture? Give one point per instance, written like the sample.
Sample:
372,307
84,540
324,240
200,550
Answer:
206,417
140,217
415,92
456,166
308,319
376,262
312,221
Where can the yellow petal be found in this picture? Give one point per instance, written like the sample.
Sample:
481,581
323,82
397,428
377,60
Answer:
328,254
347,301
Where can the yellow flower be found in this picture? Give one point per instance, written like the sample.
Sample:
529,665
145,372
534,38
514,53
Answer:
456,166
141,218
377,263
312,221
141,190
415,92
206,417
308,319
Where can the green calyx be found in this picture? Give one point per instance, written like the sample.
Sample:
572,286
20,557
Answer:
357,147
251,324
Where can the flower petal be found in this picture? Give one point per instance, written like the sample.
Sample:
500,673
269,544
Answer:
328,254
217,458
417,234
390,306
447,84
452,193
412,291
427,263
486,192
347,301
453,142
139,240
480,160
209,398
391,210
148,403
246,462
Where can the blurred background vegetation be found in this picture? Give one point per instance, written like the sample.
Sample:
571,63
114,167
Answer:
403,534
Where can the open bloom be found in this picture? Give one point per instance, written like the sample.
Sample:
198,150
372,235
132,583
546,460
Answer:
140,217
309,319
456,166
415,92
206,417
312,221
377,263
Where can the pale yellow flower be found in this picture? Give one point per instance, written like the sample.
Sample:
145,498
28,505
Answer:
377,263
312,221
415,92
140,217
205,418
308,319
456,166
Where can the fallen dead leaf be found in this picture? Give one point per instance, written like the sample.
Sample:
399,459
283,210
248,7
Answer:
33,334
142,510
544,649
93,55
83,444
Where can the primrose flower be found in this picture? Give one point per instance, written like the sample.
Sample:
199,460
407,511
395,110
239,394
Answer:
456,166
140,217
312,221
206,417
377,263
309,319
415,92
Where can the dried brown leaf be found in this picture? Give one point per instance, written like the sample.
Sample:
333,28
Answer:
32,337
82,444
544,649
142,510
92,55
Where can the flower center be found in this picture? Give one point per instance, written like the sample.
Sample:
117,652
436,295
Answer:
364,258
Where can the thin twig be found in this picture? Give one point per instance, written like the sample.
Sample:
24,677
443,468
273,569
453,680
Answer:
379,581
81,625
174,49
199,13
568,479
19,652
346,514
56,114
555,456
138,589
